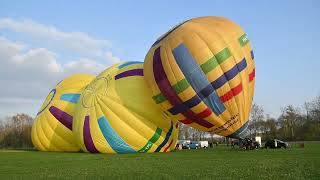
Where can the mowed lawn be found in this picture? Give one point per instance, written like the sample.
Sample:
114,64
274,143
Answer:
216,163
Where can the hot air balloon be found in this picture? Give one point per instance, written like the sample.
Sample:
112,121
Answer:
116,114
202,74
52,127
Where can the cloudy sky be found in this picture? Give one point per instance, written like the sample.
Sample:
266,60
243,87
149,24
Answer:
43,42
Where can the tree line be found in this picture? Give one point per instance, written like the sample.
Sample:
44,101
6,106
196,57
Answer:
15,132
293,124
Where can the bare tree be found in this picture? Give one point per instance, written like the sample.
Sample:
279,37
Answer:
256,117
289,119
16,132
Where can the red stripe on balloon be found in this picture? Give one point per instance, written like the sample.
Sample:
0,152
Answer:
252,75
186,121
165,150
207,112
170,94
230,94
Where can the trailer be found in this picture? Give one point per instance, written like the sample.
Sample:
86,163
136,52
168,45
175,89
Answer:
203,144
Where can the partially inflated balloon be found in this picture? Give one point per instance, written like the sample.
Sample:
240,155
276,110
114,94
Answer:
52,127
202,73
116,114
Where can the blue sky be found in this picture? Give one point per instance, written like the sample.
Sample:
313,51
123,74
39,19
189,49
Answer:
285,37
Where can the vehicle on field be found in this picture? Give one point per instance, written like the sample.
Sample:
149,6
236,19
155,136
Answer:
194,145
276,143
203,144
184,144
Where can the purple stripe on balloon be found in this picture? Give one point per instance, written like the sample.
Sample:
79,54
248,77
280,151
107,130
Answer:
87,136
170,94
62,116
132,72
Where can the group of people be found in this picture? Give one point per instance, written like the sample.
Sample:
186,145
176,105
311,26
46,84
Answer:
246,143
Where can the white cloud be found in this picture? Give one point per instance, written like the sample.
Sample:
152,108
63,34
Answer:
76,42
29,69
112,58
27,75
83,66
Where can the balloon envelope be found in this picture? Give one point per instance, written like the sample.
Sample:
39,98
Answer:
202,73
52,127
116,114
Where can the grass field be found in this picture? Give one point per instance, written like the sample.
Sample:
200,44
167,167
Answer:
217,163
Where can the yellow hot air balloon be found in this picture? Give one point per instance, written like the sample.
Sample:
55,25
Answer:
52,127
116,114
202,74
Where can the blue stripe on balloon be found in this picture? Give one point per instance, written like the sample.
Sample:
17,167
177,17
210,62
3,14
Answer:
73,98
111,136
129,63
197,79
205,92
227,76
252,55
166,139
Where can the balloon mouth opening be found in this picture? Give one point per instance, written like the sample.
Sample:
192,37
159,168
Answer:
241,133
48,100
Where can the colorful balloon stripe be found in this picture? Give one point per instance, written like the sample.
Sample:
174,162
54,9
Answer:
111,136
73,98
165,150
207,112
47,101
243,40
196,77
87,138
153,139
129,63
178,88
62,117
230,94
204,93
252,75
217,59
167,90
252,55
164,142
132,72
206,67
227,76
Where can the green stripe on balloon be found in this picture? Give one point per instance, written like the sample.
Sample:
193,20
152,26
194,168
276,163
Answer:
178,88
215,60
243,40
206,67
151,141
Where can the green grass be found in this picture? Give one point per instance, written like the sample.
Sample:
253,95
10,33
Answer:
217,163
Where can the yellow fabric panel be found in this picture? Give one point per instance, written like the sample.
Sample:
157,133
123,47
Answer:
35,139
48,133
123,116
238,54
